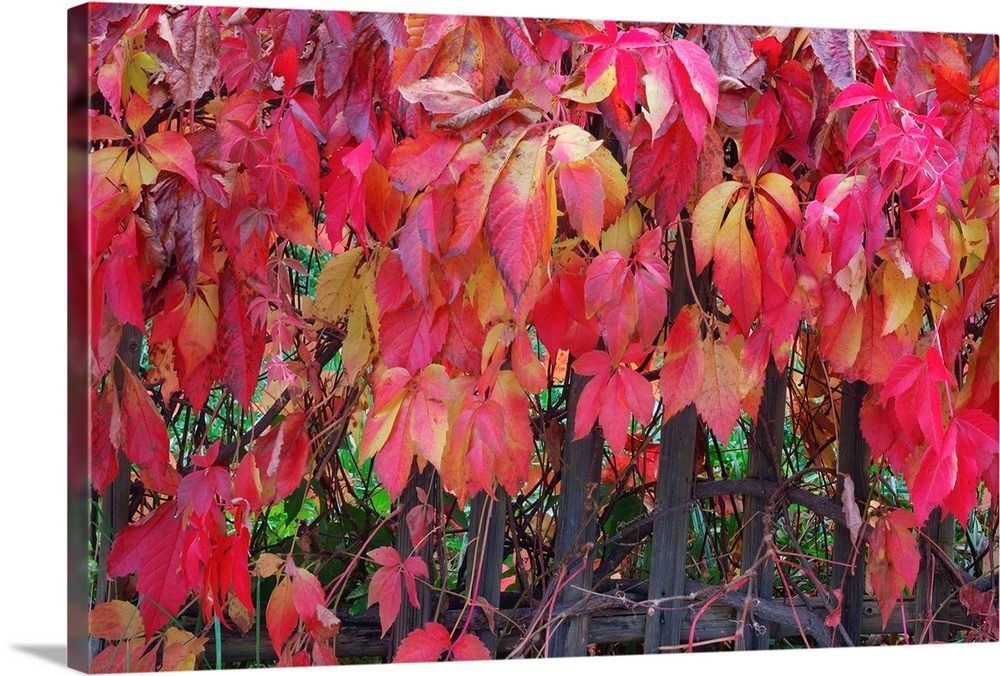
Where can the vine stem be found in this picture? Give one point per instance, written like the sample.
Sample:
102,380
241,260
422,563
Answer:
937,342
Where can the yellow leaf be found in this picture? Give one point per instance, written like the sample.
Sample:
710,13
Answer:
706,220
269,564
900,293
337,286
973,240
572,143
621,235
356,351
181,650
598,91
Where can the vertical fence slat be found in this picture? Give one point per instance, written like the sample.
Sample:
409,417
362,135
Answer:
853,460
933,586
674,482
763,463
576,526
411,617
486,551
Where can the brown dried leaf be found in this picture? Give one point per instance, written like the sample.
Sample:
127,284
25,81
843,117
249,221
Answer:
194,42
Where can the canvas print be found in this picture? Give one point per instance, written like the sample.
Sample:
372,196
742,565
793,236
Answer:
419,337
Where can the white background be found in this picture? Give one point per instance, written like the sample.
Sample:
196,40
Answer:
33,324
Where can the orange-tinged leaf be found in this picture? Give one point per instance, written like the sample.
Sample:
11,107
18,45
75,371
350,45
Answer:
390,390
199,328
473,194
737,268
428,414
683,371
841,328
518,215
469,647
416,162
583,194
115,621
170,151
718,402
181,650
281,617
893,559
707,219
125,658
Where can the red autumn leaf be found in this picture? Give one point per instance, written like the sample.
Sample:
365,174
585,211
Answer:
718,402
695,85
737,269
583,192
281,616
519,221
198,490
893,559
105,430
951,85
473,195
144,434
469,647
122,281
416,162
760,133
300,152
153,547
666,166
385,587
423,645
833,619
683,370
411,334
936,475
241,344
308,598
281,456
613,396
976,448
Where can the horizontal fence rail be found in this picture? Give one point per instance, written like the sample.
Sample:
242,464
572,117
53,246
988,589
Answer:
618,616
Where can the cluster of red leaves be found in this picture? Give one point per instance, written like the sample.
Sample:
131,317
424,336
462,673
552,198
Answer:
482,180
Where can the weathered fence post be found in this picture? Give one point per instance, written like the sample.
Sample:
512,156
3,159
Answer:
854,461
576,525
933,586
674,483
763,462
486,531
410,617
